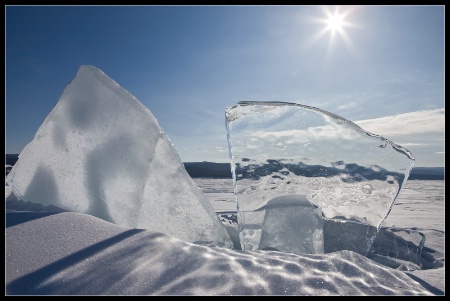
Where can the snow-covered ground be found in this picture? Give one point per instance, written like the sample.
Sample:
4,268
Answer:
420,207
77,254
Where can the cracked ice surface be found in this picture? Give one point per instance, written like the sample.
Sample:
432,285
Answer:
282,149
101,152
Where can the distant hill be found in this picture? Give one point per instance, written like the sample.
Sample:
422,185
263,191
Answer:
222,170
208,169
427,173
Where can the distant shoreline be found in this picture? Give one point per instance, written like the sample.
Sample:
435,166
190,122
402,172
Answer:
222,170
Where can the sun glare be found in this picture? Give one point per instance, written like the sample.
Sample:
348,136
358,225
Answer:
335,24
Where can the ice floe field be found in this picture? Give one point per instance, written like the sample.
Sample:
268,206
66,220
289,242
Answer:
70,253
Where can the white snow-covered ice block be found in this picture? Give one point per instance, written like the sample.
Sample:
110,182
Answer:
101,152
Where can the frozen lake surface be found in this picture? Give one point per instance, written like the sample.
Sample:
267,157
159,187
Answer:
411,200
420,206
45,254
219,192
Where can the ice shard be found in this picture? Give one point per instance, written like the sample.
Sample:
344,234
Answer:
101,152
282,149
398,248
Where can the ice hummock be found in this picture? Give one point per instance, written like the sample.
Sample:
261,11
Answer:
279,149
101,152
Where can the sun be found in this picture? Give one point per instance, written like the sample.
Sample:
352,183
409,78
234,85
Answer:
336,24
335,21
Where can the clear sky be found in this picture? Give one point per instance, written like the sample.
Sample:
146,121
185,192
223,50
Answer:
379,66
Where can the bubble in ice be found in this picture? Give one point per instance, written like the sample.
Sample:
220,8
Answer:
280,149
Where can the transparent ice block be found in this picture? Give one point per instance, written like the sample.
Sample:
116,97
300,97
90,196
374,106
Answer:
283,149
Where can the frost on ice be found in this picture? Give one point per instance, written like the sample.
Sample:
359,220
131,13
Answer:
279,149
101,152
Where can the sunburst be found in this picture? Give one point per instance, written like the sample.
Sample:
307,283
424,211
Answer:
335,23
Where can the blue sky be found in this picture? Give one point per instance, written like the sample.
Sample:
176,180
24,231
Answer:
381,67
